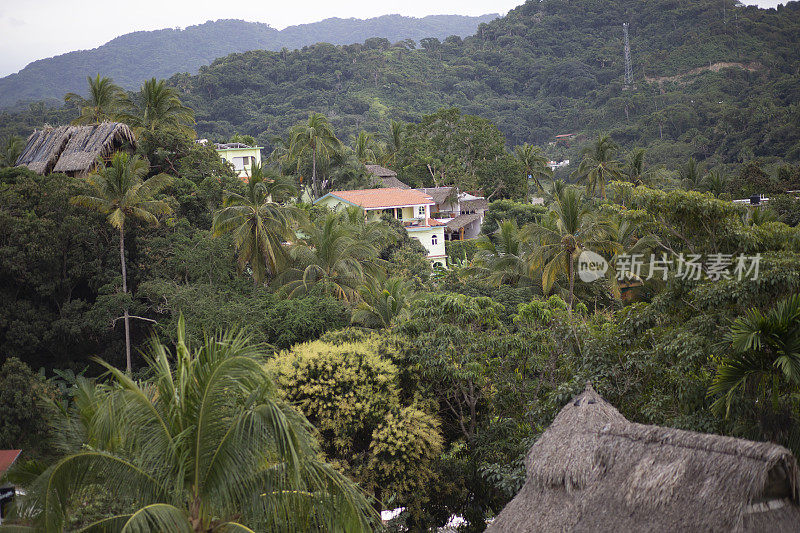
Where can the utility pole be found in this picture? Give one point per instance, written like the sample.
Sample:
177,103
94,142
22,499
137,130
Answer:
628,68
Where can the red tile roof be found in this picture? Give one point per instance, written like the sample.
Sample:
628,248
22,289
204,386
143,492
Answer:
434,222
7,458
377,198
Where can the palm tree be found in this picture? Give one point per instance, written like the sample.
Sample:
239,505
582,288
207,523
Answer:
316,137
395,140
259,225
622,237
715,183
381,302
568,229
120,191
634,168
334,256
213,449
104,102
598,166
157,107
503,256
764,356
692,175
365,148
534,164
11,150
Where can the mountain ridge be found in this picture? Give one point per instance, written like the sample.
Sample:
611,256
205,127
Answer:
133,57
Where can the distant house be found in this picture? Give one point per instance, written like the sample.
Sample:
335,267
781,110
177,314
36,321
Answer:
410,206
593,470
461,212
7,491
241,156
385,177
74,150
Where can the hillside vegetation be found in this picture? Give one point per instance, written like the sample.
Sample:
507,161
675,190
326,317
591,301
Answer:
548,68
134,57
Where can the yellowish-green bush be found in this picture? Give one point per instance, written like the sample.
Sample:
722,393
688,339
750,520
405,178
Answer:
348,386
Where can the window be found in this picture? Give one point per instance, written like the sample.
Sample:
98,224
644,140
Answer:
421,210
239,162
434,240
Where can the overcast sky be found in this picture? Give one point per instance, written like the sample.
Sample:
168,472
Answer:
35,29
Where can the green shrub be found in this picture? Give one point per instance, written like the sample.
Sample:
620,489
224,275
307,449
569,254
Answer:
22,412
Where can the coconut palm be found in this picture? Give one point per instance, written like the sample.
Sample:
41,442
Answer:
104,103
156,107
394,141
203,445
692,176
622,237
11,148
764,356
715,183
365,148
502,256
634,167
598,166
120,191
335,257
314,137
258,223
382,302
557,241
534,163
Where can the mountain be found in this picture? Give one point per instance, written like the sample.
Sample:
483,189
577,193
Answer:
134,57
712,79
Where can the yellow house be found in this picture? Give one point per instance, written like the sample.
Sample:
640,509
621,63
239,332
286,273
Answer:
241,156
411,207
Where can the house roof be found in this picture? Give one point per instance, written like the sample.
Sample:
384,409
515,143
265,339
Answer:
593,470
72,148
7,458
462,221
380,171
477,204
439,194
377,198
389,182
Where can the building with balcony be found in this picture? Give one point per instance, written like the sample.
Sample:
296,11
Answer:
461,213
241,156
410,206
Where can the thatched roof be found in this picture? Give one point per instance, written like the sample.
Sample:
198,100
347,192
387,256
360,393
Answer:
592,470
380,171
73,148
476,204
439,194
462,221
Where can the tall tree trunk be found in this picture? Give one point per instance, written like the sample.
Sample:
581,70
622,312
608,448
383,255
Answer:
571,281
125,291
314,171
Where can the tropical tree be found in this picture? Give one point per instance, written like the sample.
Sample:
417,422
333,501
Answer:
692,175
11,148
569,228
715,183
104,103
598,166
334,256
634,167
394,140
764,357
502,256
258,223
314,137
623,237
535,165
365,148
157,107
381,303
214,449
118,189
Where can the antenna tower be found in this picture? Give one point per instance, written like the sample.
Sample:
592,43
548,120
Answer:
628,68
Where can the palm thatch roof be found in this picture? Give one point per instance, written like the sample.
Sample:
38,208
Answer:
439,194
385,177
475,204
592,470
73,149
462,221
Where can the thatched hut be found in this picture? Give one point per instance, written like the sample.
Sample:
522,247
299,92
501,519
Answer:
592,470
74,150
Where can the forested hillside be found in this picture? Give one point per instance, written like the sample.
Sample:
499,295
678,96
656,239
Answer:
548,68
134,57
